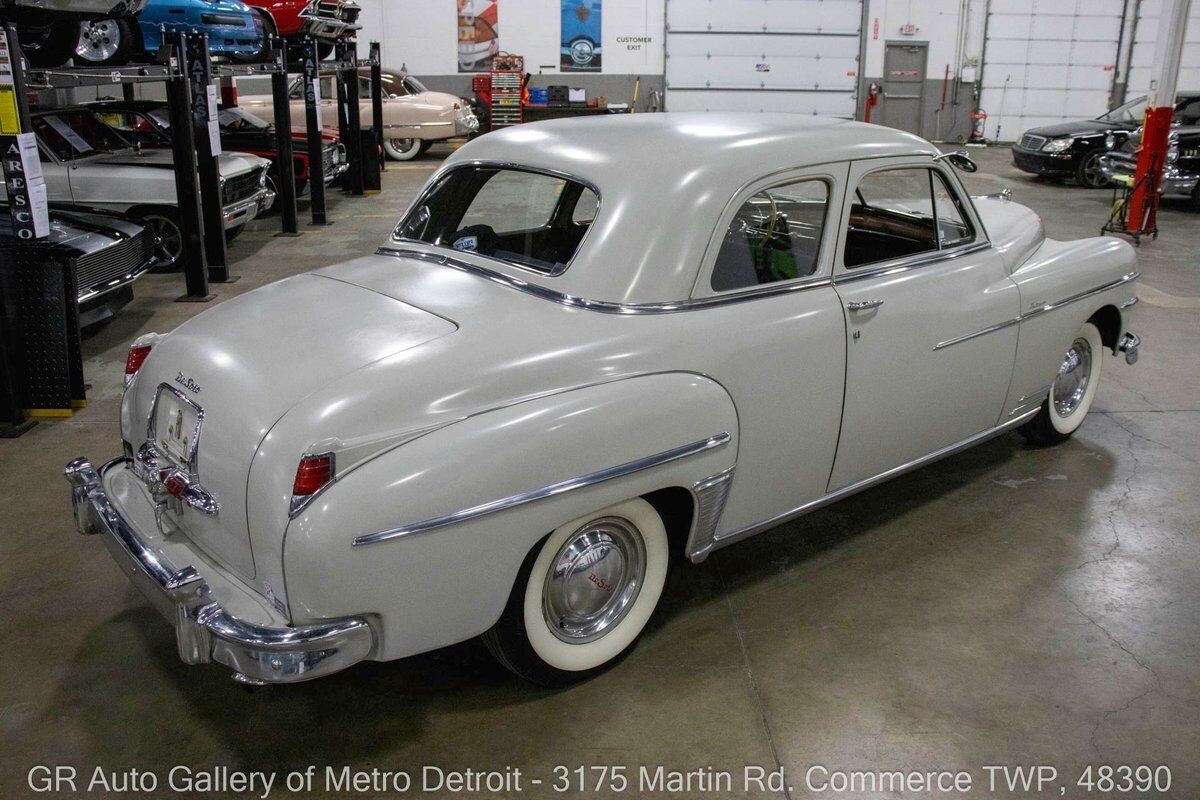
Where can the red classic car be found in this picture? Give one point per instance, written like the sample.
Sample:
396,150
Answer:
325,20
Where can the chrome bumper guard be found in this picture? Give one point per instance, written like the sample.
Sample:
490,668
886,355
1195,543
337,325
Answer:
204,631
1129,344
239,213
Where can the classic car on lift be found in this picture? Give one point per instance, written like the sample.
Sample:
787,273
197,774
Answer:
413,117
88,163
557,372
1181,172
324,20
1074,149
107,253
148,123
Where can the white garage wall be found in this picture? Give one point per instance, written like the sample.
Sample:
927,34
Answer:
1047,61
424,34
1141,61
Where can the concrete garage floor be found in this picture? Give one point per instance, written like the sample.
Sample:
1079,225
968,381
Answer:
1007,606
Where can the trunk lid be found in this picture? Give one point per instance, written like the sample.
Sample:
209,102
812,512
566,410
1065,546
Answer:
245,362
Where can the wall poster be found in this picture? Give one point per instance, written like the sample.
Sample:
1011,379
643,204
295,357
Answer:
478,35
580,36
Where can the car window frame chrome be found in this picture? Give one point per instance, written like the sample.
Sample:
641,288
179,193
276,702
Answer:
446,171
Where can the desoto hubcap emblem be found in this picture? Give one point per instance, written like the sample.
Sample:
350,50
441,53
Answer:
594,580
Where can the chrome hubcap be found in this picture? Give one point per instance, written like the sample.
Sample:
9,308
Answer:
595,578
98,40
1072,382
404,145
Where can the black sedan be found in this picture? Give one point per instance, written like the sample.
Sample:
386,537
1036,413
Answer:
1073,149
108,252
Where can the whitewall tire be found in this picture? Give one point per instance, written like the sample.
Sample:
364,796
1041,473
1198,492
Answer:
402,149
584,595
1072,392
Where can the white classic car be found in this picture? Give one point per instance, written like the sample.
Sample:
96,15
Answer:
88,163
414,118
588,345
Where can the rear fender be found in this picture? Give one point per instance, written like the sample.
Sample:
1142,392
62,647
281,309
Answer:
433,588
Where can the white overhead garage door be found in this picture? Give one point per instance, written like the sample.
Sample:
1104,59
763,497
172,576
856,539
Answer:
1047,61
1141,62
799,56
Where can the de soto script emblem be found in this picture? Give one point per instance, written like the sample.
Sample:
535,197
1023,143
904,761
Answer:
187,383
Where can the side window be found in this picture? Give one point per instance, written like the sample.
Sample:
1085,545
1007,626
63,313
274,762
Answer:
513,201
775,236
902,212
585,208
953,228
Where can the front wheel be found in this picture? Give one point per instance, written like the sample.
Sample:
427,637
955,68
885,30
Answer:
402,149
1071,394
1088,173
583,596
163,225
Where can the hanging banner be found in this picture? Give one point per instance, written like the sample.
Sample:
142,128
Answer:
581,36
478,35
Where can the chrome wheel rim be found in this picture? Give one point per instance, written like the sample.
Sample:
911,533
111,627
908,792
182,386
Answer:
581,52
1071,384
594,580
168,240
99,40
1092,174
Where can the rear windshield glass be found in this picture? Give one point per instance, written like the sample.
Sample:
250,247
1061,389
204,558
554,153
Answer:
527,218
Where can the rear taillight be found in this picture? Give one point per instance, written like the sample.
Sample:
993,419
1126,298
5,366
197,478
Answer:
133,361
313,474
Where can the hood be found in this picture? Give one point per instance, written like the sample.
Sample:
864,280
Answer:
1080,127
228,163
74,233
1014,230
249,360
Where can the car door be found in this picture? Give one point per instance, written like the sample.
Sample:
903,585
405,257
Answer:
929,310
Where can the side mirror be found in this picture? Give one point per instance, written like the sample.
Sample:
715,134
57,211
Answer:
959,159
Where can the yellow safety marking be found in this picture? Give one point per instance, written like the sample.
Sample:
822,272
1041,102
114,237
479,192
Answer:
48,412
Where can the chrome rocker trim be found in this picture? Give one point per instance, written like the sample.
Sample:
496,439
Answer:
553,489
832,497
204,631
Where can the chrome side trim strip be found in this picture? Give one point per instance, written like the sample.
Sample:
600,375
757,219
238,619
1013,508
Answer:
1130,276
989,329
866,483
590,479
907,263
1042,309
603,306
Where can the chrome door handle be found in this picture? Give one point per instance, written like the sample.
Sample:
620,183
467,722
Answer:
863,305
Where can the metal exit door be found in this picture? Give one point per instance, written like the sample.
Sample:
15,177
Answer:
904,85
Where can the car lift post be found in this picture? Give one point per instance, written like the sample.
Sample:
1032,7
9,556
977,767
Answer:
13,422
285,165
1142,218
312,118
198,68
349,115
179,108
377,105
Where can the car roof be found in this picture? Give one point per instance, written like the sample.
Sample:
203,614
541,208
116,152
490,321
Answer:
664,180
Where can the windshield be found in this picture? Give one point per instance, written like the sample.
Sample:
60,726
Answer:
530,219
135,126
1133,111
76,133
237,119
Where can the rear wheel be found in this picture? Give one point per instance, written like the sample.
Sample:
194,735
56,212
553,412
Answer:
402,149
1088,173
583,596
104,43
1072,392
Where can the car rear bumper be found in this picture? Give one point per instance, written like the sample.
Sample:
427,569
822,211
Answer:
1040,163
258,651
